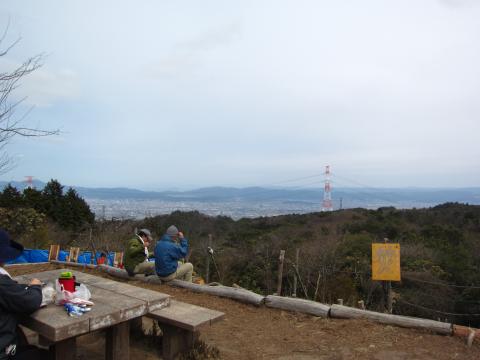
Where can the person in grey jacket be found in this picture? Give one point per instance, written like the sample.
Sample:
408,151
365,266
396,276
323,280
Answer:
169,256
16,300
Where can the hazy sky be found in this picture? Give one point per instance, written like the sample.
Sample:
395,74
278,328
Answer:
162,94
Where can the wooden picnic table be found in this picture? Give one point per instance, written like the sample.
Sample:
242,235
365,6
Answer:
116,305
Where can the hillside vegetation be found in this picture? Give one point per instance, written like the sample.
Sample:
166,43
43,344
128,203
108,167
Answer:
440,250
34,217
440,255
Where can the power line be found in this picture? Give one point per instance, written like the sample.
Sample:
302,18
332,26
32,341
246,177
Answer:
365,190
289,180
354,182
294,180
261,190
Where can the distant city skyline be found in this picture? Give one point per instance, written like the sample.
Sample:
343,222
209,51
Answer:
167,95
254,202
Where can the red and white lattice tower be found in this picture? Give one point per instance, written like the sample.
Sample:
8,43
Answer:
29,181
327,192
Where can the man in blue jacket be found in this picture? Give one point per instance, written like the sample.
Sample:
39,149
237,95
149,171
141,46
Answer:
168,256
16,300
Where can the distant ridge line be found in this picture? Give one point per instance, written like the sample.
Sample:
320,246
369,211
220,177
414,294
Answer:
386,196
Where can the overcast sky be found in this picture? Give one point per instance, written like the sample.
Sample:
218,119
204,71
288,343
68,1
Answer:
184,94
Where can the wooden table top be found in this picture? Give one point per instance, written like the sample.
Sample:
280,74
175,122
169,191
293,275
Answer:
115,302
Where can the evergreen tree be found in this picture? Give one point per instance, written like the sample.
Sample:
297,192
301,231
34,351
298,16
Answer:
52,198
10,198
33,198
76,211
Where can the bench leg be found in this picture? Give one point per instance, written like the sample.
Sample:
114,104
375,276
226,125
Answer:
64,350
117,342
136,326
176,341
43,341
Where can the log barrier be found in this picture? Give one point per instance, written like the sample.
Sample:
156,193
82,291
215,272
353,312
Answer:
295,304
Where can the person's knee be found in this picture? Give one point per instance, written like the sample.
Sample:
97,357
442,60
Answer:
189,266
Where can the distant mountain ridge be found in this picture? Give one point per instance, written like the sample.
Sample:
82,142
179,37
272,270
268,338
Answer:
350,196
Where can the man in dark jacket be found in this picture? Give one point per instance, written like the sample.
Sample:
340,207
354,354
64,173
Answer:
168,256
15,300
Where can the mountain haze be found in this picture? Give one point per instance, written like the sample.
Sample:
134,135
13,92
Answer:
254,202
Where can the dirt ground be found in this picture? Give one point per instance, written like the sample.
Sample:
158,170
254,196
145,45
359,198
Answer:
249,332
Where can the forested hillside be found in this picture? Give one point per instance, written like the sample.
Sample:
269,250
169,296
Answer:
440,255
440,248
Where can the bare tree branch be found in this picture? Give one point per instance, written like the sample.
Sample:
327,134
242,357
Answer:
4,52
28,132
11,124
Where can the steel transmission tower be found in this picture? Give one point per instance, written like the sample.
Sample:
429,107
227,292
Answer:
29,181
327,192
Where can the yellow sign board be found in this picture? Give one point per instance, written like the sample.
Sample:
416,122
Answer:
386,262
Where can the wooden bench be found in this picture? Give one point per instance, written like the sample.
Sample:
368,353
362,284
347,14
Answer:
180,323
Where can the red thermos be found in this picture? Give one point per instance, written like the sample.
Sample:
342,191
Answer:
67,283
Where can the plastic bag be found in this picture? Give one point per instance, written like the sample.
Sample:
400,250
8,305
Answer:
63,296
48,294
82,292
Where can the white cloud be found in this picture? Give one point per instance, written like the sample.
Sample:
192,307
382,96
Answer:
458,3
44,86
185,56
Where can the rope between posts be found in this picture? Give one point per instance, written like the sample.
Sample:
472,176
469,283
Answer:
441,284
433,310
452,301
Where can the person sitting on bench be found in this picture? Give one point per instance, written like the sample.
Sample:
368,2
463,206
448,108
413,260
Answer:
136,254
168,256
16,300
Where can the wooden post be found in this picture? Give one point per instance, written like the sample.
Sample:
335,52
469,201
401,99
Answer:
94,255
389,297
280,272
324,279
118,259
316,287
53,253
295,275
301,282
73,254
207,265
388,290
268,272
